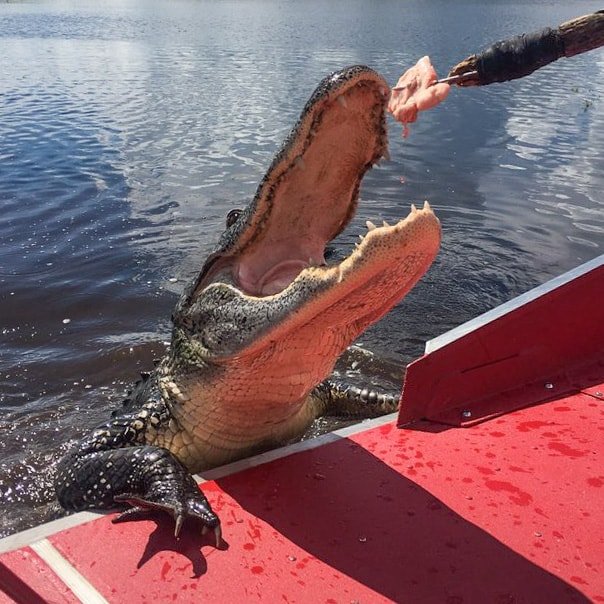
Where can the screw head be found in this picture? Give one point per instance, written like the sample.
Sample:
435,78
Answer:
549,385
466,414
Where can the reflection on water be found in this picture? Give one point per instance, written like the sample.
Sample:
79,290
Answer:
129,129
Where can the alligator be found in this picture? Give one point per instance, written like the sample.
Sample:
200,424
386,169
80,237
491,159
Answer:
256,335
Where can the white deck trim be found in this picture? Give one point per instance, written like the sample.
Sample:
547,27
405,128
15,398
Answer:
37,533
77,583
504,309
41,532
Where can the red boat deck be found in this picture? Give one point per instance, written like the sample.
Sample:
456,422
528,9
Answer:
509,510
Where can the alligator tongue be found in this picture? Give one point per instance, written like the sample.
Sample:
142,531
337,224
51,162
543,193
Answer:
273,281
280,276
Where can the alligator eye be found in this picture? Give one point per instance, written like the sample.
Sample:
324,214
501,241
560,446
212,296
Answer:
232,217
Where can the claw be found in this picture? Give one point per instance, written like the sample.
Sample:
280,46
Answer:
218,535
178,525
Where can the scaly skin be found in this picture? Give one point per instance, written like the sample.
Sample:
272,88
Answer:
259,330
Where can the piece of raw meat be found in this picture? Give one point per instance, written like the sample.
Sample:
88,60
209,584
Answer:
419,93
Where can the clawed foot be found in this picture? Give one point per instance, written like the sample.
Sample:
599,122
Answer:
192,505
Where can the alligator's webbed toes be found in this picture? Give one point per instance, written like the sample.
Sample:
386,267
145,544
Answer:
194,505
130,514
141,505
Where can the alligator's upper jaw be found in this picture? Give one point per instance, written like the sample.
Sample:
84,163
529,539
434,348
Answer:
310,192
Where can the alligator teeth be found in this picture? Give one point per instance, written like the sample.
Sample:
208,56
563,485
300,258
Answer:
427,205
370,225
385,224
361,237
413,208
343,102
386,154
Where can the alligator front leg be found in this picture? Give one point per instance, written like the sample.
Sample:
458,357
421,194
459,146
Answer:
114,466
344,400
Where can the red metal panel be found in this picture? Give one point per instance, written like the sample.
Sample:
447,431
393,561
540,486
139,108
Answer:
26,579
509,510
546,348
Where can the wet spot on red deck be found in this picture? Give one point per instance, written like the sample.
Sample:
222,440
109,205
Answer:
165,569
249,546
257,570
528,426
562,408
578,580
497,434
518,496
484,470
566,450
595,482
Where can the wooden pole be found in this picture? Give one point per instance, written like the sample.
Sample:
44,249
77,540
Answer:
521,55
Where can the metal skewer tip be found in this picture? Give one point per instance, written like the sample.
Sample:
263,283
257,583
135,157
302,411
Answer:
456,79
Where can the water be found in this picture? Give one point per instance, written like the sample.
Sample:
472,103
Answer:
128,129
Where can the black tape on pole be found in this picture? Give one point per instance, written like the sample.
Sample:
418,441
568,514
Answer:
519,56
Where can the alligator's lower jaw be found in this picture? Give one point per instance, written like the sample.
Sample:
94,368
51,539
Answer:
382,269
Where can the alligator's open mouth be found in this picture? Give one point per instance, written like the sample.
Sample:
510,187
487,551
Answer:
269,277
310,192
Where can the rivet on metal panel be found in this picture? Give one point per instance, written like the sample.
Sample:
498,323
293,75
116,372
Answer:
466,414
599,393
549,385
